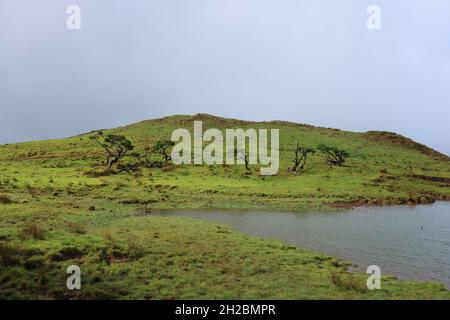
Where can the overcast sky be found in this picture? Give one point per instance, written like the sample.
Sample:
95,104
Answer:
306,61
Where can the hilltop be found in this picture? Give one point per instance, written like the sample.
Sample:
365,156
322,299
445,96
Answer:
57,208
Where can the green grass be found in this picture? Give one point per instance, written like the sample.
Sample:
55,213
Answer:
53,214
169,258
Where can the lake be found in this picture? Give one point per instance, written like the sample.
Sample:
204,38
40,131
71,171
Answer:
410,242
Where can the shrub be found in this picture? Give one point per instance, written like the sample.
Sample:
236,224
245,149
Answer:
300,156
334,155
163,147
116,147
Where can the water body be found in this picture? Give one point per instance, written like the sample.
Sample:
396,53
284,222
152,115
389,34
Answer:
410,242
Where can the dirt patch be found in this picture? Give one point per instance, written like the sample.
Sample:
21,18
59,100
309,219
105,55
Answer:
67,254
383,178
421,199
95,174
137,201
349,204
437,196
430,178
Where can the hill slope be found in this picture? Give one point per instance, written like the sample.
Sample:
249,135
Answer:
383,168
55,212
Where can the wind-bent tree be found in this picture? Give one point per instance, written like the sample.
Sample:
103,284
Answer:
115,146
164,147
334,156
301,154
147,159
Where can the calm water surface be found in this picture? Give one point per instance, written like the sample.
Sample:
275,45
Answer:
409,242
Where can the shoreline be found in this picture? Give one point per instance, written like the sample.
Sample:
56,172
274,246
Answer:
354,264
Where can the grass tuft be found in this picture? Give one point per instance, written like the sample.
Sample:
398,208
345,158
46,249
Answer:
9,254
77,228
33,231
346,281
5,199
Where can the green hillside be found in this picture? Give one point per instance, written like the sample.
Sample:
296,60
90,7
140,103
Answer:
383,168
57,209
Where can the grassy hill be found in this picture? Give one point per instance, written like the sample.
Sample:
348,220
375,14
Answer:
383,168
55,212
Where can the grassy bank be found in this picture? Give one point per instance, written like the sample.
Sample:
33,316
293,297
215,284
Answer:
56,210
127,255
